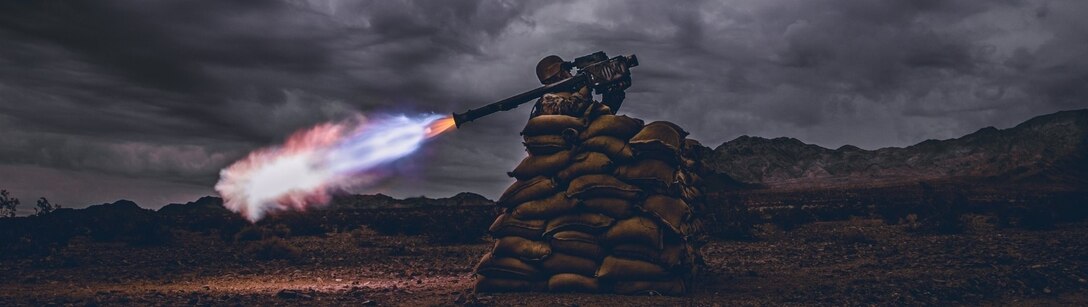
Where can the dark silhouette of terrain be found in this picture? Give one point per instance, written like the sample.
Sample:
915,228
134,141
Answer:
993,217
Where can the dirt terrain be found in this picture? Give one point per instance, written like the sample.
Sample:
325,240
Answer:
839,263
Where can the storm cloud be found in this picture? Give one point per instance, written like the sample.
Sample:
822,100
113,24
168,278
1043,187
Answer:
154,97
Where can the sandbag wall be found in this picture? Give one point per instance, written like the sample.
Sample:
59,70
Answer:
603,203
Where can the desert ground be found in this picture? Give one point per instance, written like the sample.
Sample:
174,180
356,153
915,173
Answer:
853,262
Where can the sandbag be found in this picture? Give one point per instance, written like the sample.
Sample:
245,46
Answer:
660,140
635,230
577,243
650,174
586,163
544,208
526,190
546,144
547,165
616,149
672,287
521,248
619,126
562,263
551,124
689,164
689,179
598,185
569,282
614,207
507,267
691,194
670,210
616,268
584,222
489,284
507,225
669,257
597,109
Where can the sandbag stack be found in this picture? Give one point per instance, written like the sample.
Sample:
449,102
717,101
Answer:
602,203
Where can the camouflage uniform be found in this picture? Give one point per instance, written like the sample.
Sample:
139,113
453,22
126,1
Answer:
553,69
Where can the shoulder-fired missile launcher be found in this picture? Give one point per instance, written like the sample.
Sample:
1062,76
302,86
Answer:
596,71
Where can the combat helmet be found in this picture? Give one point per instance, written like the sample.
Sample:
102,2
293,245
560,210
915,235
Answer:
550,66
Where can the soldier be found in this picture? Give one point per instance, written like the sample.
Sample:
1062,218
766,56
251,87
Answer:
552,69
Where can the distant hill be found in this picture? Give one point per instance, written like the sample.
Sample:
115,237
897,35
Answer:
1049,150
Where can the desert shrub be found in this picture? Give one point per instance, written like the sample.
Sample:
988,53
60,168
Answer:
1037,217
980,223
910,222
363,237
299,223
8,204
465,226
791,217
442,225
942,213
273,248
43,207
280,230
728,218
152,235
250,233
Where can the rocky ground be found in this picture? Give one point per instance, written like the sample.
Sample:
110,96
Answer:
839,263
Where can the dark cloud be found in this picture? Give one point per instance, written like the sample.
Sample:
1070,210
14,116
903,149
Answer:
171,91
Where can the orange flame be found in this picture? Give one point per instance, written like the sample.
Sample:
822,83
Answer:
439,126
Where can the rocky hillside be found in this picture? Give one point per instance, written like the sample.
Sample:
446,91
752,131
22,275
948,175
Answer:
1051,150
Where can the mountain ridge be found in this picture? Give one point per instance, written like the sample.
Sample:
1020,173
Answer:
1047,149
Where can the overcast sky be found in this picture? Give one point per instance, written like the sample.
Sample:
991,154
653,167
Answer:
148,100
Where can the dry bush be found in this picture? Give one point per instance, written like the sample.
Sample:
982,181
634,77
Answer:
250,233
363,237
273,248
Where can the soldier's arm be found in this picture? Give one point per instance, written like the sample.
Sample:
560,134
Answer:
613,97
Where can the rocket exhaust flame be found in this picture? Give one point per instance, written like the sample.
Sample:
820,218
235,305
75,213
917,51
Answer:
302,172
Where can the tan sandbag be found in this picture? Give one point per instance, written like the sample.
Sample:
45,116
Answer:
507,225
619,126
507,267
635,230
669,257
598,185
552,124
689,178
547,165
544,208
521,248
694,229
562,263
526,190
690,144
670,210
586,163
616,149
546,144
585,222
488,284
660,140
614,207
691,194
616,268
672,287
597,109
650,174
569,282
689,163
577,243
